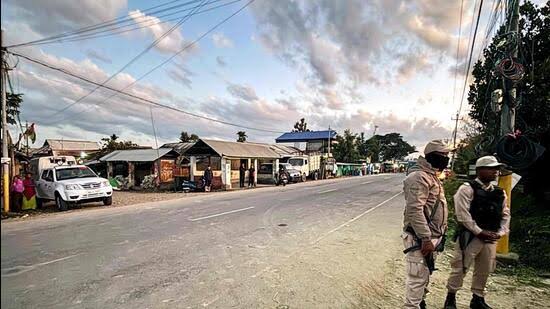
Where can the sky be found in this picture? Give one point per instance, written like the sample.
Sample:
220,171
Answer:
346,64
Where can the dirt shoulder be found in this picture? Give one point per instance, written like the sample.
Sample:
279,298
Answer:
120,199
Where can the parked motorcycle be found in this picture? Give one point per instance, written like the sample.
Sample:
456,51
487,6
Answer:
283,179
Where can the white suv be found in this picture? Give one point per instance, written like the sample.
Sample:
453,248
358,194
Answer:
72,184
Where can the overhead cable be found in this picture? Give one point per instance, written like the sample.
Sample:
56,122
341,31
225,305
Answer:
144,100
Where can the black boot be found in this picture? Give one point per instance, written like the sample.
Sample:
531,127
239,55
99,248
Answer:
450,301
423,304
479,303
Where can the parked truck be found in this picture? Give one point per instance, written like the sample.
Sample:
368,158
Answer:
308,165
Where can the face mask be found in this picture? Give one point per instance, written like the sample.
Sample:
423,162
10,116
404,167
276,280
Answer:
437,161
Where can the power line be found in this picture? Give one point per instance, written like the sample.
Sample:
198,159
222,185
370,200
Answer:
146,101
470,57
456,70
173,56
108,23
134,59
136,26
110,32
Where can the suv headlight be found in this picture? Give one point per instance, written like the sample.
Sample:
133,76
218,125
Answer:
105,183
72,187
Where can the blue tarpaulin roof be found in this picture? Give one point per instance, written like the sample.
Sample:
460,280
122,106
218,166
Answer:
296,137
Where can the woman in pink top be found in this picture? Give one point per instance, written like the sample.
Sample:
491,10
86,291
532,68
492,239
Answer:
29,194
17,189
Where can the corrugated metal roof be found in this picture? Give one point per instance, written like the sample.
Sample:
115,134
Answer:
285,151
63,144
179,147
291,137
135,155
241,150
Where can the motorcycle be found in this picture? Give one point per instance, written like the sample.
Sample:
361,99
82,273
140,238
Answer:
283,179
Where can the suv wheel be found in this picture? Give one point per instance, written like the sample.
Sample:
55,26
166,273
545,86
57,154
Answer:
108,201
61,204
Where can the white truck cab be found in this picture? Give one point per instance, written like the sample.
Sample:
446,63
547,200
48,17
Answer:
308,165
68,184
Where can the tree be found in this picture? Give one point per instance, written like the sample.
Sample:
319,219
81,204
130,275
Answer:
13,103
111,143
301,126
532,107
393,147
188,138
241,136
362,147
345,149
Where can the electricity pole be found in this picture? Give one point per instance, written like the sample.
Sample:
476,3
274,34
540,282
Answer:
457,119
508,117
5,155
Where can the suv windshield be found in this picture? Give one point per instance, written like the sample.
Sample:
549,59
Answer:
74,172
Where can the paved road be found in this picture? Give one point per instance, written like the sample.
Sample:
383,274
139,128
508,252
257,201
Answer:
306,245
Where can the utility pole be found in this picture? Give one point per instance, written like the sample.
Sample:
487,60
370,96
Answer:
329,134
456,119
5,155
508,117
375,128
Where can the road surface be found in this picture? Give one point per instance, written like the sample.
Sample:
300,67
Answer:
318,244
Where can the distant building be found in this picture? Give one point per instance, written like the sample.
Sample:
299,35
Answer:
63,147
315,141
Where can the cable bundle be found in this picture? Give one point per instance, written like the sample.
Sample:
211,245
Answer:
518,151
510,69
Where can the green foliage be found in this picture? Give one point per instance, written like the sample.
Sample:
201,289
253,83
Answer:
533,110
188,138
111,143
345,149
352,147
301,126
530,226
392,146
241,136
13,104
451,185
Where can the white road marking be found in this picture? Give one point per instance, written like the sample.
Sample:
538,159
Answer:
354,219
221,214
23,269
327,191
366,182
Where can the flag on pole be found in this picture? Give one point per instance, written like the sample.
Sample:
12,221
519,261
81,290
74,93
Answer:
30,133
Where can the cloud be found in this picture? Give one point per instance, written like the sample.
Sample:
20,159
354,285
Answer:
94,54
52,17
412,64
221,62
169,44
180,77
242,92
221,41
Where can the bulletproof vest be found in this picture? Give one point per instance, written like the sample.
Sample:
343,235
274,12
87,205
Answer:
486,207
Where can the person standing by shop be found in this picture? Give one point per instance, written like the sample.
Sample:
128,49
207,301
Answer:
208,176
29,193
17,189
242,173
251,176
